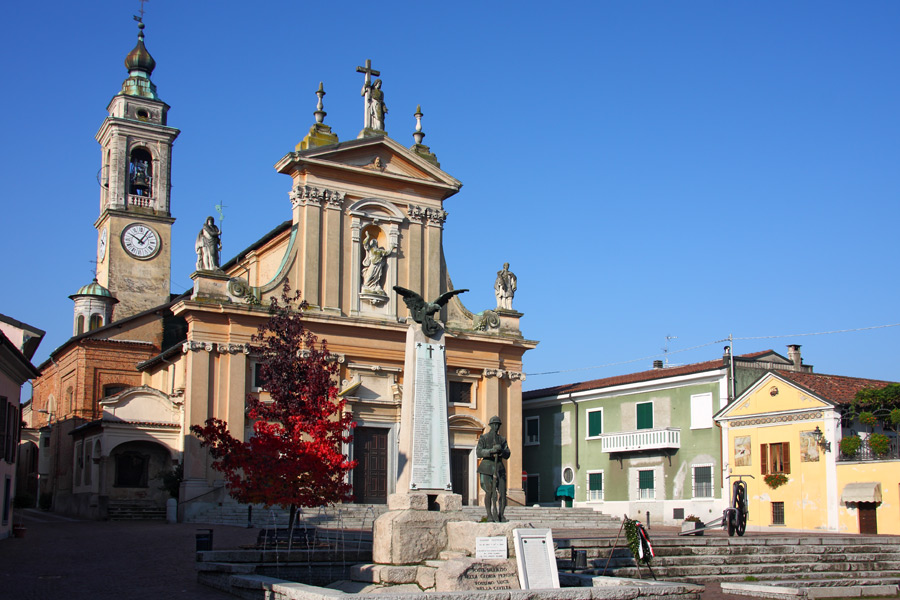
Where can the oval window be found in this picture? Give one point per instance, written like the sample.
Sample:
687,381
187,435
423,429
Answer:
568,475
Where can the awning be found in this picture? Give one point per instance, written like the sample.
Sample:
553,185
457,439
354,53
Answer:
864,491
565,491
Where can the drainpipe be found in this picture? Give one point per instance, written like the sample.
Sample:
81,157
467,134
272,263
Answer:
575,412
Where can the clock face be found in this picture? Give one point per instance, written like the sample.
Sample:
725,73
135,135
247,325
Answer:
101,245
140,241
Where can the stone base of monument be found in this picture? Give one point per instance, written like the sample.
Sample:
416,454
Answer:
436,549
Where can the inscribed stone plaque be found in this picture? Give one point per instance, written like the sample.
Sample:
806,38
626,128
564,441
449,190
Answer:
491,547
430,443
461,574
536,559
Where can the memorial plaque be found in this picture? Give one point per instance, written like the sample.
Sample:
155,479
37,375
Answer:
491,547
465,574
536,559
430,442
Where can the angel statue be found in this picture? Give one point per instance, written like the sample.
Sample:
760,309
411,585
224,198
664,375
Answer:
422,311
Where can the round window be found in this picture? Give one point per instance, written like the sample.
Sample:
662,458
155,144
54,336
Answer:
568,475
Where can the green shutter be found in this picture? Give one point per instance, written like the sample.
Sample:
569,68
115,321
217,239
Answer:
645,415
595,481
645,480
595,423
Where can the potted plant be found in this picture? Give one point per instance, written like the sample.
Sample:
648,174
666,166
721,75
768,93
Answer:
692,523
18,530
850,445
775,480
879,443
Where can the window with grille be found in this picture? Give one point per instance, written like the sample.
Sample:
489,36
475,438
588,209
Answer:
778,513
646,485
644,415
595,486
595,422
532,431
703,481
460,392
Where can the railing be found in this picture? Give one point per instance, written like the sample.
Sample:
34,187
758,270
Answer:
865,453
645,439
142,201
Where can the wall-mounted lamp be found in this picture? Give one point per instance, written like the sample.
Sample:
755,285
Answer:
820,440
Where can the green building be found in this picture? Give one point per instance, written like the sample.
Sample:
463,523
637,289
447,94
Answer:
640,443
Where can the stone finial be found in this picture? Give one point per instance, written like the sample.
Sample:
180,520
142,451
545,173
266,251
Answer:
320,113
319,134
418,135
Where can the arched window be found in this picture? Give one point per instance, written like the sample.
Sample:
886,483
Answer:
70,402
140,172
79,325
96,322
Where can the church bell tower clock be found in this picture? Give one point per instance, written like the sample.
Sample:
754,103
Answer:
134,229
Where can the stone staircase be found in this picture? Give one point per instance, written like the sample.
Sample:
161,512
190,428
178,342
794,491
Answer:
786,560
135,510
362,516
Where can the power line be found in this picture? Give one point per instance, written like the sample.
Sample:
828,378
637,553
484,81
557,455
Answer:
760,337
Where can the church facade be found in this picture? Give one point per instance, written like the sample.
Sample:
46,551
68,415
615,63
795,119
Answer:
364,215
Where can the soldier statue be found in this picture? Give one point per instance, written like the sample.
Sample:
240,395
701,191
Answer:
492,449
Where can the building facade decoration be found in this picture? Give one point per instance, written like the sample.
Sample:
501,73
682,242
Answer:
208,245
505,288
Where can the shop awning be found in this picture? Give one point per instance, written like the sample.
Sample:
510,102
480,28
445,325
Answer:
565,491
864,491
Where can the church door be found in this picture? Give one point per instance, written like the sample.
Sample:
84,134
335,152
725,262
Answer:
868,523
459,473
370,449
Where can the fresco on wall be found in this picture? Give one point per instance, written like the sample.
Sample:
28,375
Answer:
809,447
742,451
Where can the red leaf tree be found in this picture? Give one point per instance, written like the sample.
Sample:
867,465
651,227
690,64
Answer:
294,457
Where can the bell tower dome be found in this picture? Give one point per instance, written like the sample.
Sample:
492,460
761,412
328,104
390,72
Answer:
134,228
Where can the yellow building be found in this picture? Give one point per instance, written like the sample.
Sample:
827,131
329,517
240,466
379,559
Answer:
782,438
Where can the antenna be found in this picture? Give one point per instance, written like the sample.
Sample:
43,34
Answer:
665,349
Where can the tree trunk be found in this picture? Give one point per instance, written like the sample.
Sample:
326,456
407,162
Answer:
291,521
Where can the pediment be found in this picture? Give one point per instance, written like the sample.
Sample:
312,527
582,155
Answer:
377,156
773,394
141,404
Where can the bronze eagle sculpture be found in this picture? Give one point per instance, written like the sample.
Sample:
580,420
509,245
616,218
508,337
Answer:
422,311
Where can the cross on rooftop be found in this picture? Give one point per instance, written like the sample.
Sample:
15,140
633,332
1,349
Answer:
368,70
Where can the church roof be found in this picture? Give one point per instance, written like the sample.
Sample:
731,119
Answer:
94,289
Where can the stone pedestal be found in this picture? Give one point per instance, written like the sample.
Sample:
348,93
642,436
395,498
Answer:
210,285
409,533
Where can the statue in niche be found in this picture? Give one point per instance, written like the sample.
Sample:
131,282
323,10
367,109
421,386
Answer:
375,107
505,288
209,242
492,449
373,265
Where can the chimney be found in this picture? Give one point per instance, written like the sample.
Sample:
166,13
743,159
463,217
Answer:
657,364
726,352
794,354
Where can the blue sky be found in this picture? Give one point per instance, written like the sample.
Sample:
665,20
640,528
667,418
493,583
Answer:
692,169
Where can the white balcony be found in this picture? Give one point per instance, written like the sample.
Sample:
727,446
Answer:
645,439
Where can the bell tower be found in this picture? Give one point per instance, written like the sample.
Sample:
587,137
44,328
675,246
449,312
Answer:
134,229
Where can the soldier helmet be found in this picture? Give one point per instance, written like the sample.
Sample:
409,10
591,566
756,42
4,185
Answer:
495,419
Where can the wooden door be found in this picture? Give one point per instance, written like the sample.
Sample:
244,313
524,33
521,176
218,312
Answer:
370,449
459,473
868,521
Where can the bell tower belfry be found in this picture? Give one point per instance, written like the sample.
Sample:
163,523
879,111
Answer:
134,229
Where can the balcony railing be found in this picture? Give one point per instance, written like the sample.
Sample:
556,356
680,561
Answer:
645,439
865,453
142,201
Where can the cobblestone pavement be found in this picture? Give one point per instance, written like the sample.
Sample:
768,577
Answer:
70,559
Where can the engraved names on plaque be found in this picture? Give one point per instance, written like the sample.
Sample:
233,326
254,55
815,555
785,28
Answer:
430,443
536,559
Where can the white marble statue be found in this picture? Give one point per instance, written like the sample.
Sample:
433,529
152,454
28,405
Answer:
209,242
373,265
505,288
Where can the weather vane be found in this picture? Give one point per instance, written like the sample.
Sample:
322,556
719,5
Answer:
140,19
